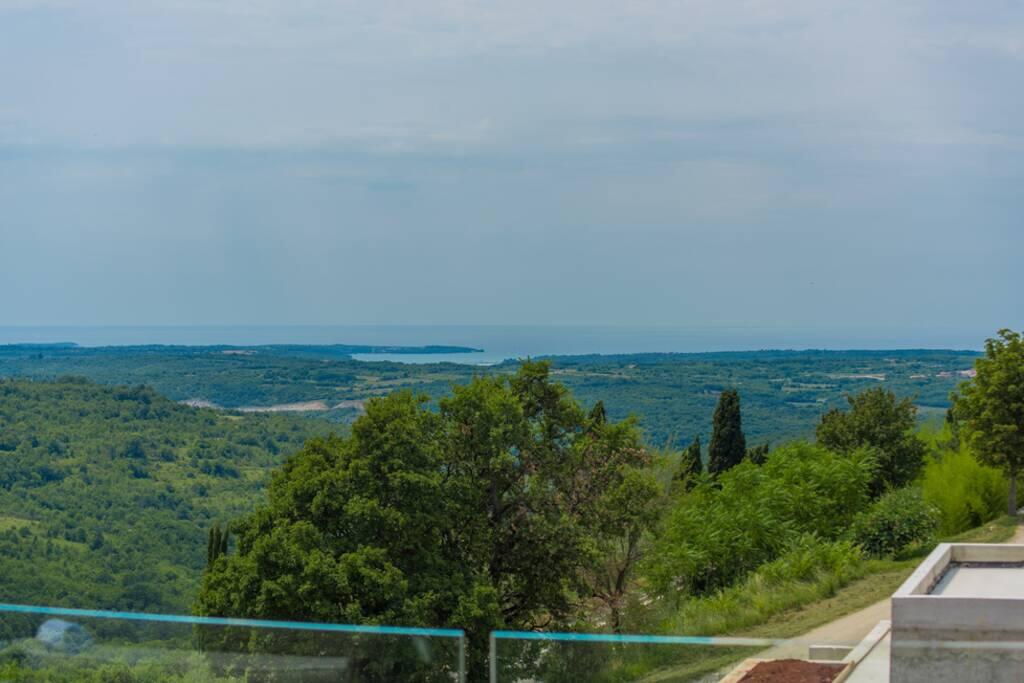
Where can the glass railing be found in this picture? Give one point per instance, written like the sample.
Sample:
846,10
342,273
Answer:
59,645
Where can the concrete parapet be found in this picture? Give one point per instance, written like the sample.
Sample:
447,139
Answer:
960,617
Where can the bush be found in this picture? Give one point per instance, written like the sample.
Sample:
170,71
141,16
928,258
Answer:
966,493
895,521
719,532
807,570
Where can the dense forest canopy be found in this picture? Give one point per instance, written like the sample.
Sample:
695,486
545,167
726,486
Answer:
673,395
106,493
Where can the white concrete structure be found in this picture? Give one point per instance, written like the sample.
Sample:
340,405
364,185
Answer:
960,617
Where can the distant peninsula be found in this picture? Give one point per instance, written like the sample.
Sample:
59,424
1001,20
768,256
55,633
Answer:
294,350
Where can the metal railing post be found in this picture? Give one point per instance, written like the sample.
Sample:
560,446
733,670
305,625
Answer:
494,658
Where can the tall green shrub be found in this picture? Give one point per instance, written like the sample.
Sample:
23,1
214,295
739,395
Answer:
966,493
894,521
723,530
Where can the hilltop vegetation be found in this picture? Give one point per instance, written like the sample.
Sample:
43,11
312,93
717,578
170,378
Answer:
106,493
511,475
673,395
503,503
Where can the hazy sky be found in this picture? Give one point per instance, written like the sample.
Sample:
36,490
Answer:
785,162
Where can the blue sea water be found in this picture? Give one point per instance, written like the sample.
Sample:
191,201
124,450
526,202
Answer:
503,342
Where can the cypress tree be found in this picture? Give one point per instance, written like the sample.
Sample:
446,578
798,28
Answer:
690,465
728,445
596,420
216,544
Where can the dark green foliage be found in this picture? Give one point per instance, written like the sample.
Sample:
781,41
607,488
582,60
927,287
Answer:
883,423
104,499
728,444
487,513
690,464
758,454
598,415
898,519
990,408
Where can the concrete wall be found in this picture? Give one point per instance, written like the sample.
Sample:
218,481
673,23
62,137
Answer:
937,638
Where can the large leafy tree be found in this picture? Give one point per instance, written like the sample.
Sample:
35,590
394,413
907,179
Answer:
990,408
630,511
490,512
728,444
879,421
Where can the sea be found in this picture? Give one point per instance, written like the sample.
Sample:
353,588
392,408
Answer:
502,342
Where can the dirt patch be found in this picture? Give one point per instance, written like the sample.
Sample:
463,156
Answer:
348,405
792,671
199,403
301,407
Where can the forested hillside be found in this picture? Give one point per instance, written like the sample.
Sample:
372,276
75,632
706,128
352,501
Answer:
784,392
106,493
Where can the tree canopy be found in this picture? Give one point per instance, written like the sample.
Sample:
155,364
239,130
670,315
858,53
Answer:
488,513
728,444
883,423
106,493
990,408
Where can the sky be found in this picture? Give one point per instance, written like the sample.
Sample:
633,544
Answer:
697,163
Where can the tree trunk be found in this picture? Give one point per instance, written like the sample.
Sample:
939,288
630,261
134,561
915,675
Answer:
1011,503
616,617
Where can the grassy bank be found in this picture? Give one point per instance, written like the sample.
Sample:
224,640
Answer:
877,580
788,609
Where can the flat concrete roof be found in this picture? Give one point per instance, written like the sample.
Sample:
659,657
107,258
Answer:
978,580
925,580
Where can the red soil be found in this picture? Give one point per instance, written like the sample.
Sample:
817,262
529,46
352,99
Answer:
792,671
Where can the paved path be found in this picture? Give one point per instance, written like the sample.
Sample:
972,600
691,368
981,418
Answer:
1018,535
848,630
